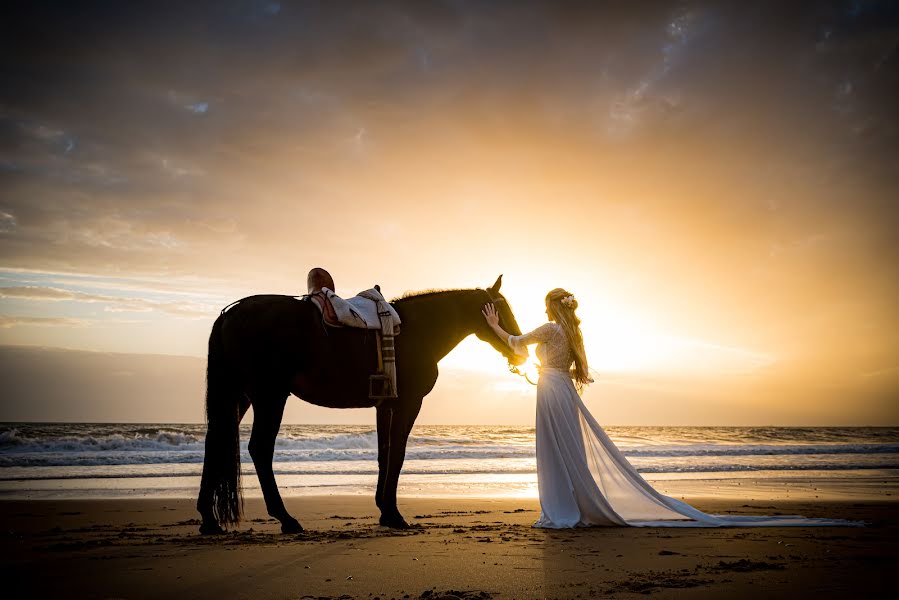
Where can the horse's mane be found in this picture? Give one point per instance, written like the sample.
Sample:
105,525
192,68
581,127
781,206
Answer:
433,292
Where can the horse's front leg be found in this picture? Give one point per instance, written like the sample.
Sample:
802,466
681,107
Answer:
395,422
267,413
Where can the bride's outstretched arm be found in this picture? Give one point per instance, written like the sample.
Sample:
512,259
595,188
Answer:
518,343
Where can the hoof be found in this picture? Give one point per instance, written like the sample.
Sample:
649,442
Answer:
211,528
394,522
291,526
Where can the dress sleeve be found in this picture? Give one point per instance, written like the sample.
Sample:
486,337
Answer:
519,343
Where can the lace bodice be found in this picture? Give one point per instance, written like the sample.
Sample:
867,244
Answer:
553,350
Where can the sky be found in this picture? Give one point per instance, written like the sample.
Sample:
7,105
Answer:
716,182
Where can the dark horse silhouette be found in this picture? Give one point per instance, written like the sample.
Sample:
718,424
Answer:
263,348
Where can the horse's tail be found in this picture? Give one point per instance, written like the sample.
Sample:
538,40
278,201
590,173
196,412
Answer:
222,461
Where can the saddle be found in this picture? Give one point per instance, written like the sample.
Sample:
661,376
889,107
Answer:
367,310
318,280
323,302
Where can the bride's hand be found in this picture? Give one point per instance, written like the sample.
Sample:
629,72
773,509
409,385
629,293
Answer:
489,313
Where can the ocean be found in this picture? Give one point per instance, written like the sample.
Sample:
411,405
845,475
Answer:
40,460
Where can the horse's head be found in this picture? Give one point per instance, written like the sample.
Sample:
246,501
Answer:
506,321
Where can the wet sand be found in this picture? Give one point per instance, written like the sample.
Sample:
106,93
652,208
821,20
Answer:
465,548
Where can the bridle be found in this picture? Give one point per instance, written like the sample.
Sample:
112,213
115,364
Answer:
496,300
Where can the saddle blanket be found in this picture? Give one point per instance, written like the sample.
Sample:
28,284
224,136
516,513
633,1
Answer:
364,310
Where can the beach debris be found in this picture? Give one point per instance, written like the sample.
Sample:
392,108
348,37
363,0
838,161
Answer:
646,583
455,595
744,565
349,577
668,553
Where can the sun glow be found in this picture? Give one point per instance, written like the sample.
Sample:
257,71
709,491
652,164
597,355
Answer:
618,339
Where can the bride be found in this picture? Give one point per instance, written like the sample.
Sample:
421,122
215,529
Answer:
582,478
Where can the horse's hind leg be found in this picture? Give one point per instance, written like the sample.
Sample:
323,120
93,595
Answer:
206,499
267,413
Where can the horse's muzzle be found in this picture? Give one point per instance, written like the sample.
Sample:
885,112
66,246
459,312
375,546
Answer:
515,360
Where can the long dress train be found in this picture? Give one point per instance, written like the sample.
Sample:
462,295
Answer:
584,480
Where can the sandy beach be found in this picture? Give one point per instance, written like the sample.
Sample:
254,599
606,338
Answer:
457,547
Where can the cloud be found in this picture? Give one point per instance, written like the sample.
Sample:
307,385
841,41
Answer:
177,170
229,147
8,321
198,107
7,222
196,294
54,138
114,303
37,293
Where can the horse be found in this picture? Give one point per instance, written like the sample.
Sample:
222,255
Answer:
264,348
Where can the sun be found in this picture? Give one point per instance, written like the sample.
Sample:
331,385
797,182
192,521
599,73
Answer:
616,339
619,338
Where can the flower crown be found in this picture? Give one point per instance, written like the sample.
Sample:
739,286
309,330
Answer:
568,301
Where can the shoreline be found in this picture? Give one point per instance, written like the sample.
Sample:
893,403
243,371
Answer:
755,486
476,547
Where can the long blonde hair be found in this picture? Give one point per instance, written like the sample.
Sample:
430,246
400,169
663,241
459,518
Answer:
563,313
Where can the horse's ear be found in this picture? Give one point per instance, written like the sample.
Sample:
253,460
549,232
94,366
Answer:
495,287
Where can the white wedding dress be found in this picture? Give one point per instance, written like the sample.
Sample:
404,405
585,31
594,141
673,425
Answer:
583,479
